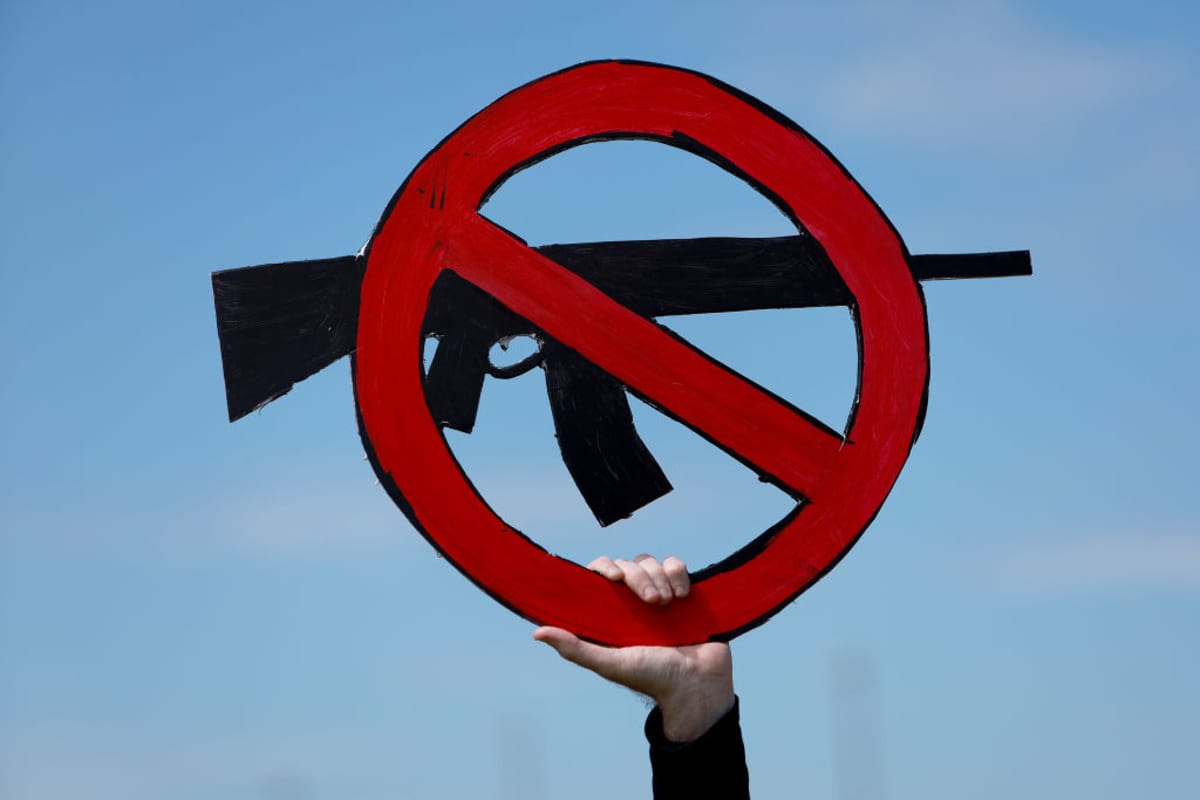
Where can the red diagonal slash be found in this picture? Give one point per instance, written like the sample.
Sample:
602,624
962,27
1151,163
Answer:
759,428
432,225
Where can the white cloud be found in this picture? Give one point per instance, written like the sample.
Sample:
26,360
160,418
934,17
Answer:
981,73
960,75
300,521
276,520
63,760
1133,561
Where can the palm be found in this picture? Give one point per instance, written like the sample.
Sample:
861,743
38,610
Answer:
654,670
693,684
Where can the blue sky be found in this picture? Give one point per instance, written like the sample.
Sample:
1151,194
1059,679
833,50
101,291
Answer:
193,609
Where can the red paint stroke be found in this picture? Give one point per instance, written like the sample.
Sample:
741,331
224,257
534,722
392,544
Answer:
433,224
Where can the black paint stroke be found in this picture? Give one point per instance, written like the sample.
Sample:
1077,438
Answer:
610,464
466,333
281,323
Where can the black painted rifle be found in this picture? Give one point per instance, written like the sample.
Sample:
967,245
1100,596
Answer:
281,323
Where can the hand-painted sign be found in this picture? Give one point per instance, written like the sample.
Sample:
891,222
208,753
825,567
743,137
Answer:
435,266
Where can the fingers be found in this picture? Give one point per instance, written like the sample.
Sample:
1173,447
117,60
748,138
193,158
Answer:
677,576
557,638
658,579
640,581
651,581
605,566
601,660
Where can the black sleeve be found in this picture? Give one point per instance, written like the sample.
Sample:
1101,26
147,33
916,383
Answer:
713,766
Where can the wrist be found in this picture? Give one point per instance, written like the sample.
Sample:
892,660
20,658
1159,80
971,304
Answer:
694,706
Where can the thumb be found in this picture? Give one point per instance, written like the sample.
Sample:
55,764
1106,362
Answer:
601,660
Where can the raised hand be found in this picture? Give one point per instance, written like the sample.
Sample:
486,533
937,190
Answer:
693,685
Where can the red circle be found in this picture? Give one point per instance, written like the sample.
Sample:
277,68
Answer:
433,224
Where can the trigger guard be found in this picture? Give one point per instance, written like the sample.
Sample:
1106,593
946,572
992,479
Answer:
519,368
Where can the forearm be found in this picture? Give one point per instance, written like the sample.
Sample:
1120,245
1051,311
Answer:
711,765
